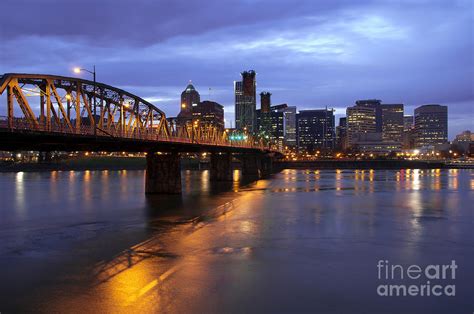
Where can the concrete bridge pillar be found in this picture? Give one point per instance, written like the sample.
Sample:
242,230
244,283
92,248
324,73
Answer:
251,166
221,167
266,166
163,173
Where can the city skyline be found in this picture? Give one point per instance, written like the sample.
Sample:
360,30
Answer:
339,56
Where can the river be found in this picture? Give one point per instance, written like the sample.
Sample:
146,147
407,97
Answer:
300,241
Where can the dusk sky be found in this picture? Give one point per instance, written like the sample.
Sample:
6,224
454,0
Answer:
310,54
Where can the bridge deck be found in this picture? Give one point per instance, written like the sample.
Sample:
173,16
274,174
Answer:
41,140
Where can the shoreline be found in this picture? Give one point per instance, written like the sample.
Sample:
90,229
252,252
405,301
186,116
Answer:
370,164
139,163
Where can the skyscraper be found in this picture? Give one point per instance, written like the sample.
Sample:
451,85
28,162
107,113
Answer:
376,105
245,102
392,123
341,134
408,123
277,127
265,101
315,130
360,120
408,132
431,125
210,114
281,125
264,116
289,126
189,99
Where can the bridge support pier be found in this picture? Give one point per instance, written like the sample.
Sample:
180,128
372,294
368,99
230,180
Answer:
163,174
251,166
221,167
266,166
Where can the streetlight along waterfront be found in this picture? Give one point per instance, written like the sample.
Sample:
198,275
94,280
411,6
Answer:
79,70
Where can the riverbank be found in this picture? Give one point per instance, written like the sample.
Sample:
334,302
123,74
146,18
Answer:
139,163
369,164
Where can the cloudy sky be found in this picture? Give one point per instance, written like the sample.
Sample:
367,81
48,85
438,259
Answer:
307,53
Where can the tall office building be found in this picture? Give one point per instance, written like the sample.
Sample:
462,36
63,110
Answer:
376,105
289,126
315,130
245,102
210,114
265,101
392,123
264,118
360,120
464,142
341,134
282,125
189,99
408,132
431,125
277,127
408,123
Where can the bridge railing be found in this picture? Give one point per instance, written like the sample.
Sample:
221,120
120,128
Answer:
116,131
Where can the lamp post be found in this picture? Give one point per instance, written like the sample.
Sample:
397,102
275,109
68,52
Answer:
78,70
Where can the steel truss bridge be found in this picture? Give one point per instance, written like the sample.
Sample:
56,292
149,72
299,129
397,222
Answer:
57,113
50,112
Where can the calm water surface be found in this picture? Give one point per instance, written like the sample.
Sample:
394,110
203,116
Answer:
302,241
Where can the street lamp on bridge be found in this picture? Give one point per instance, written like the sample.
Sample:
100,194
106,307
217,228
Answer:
79,70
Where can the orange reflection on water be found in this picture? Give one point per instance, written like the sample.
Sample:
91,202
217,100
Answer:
437,183
338,179
187,180
205,181
87,186
247,226
317,175
123,182
236,180
20,193
416,182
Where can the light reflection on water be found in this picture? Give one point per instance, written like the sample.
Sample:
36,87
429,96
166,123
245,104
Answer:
20,193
